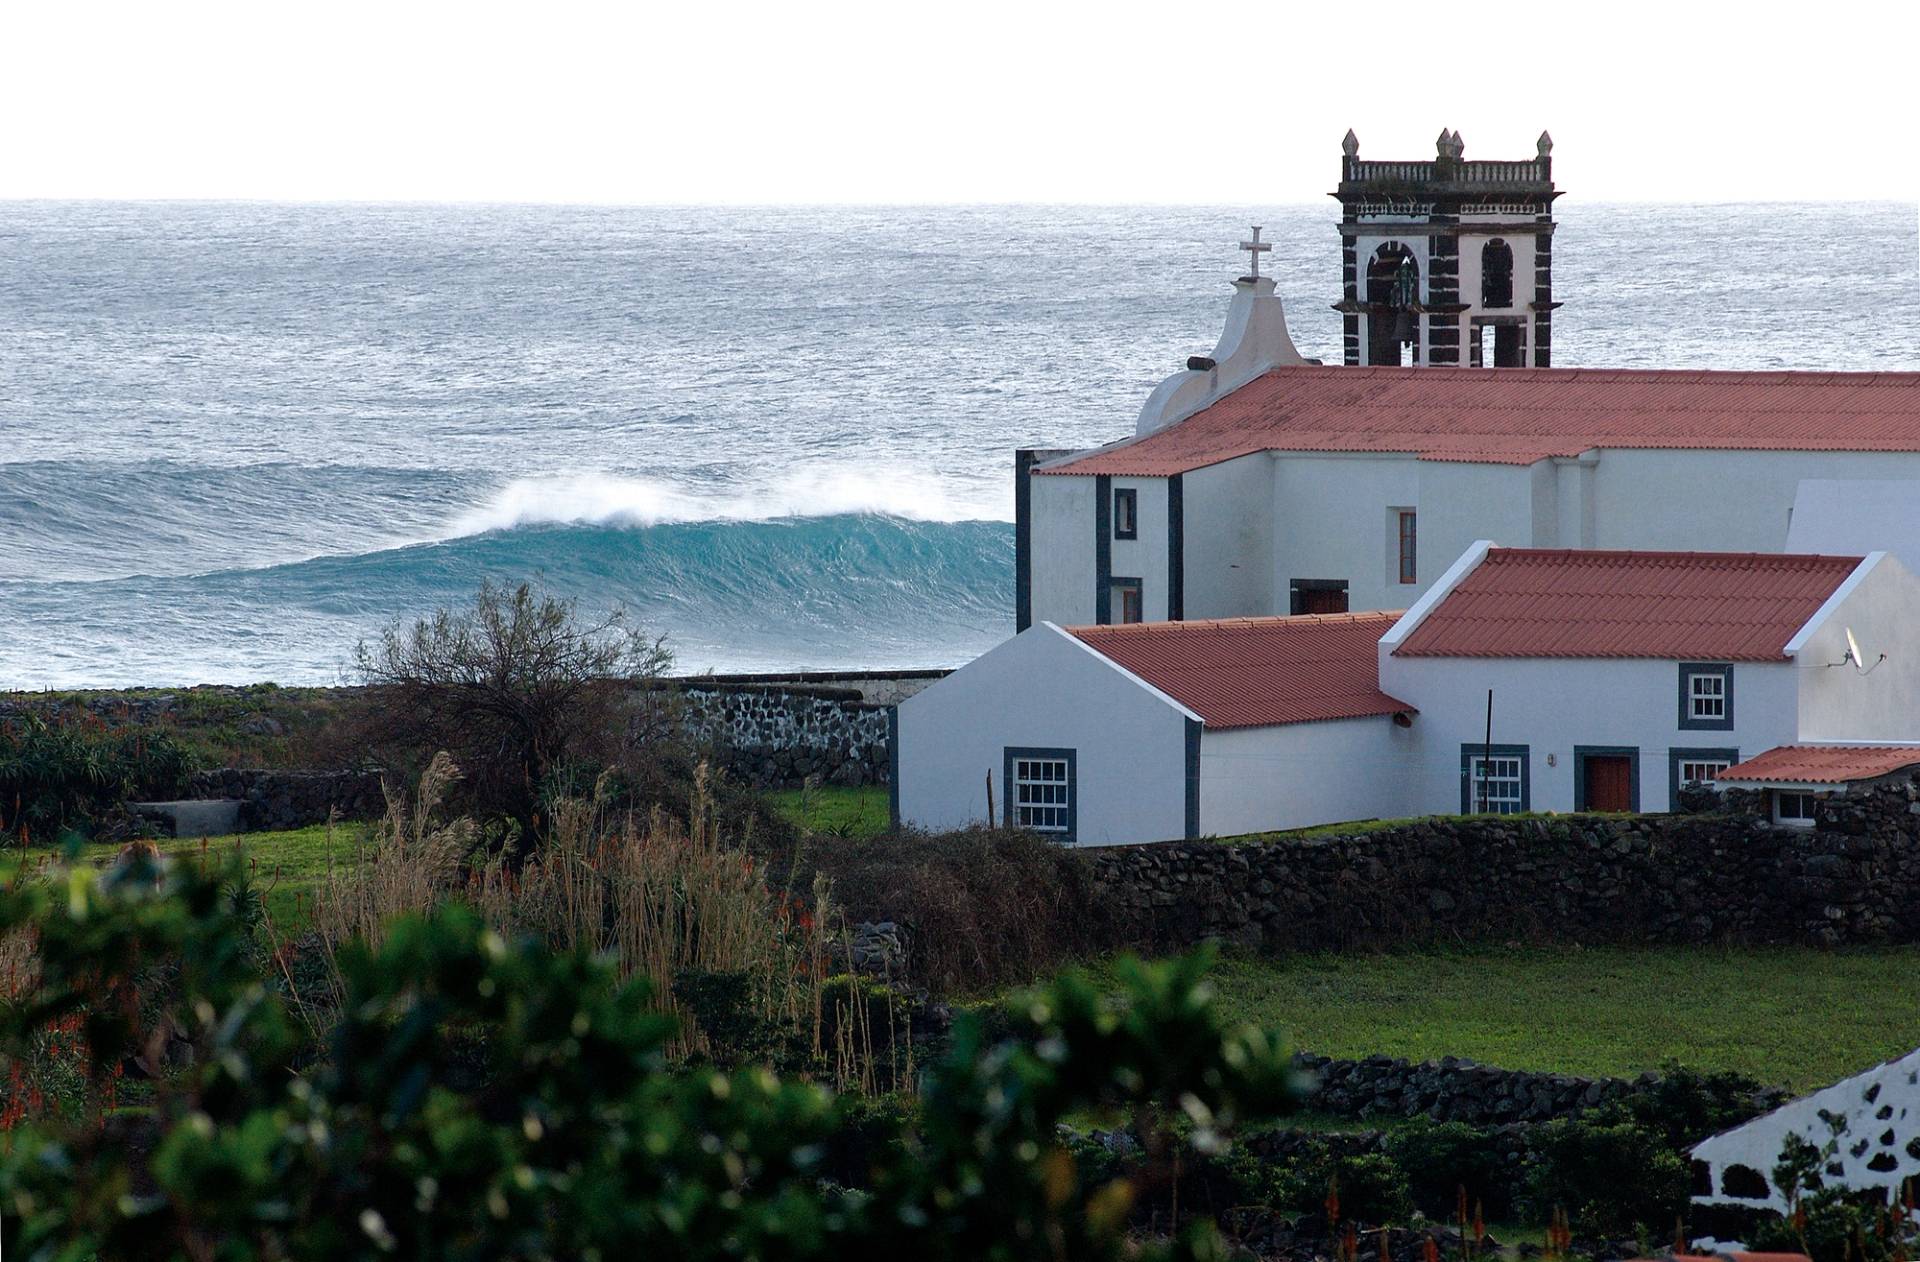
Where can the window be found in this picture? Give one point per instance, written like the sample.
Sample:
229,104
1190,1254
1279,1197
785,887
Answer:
1493,781
1695,766
1127,600
1703,771
1794,809
1126,518
1408,550
1317,595
1040,791
1706,696
1496,274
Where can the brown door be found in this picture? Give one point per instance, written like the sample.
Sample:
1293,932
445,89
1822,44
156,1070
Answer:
1609,782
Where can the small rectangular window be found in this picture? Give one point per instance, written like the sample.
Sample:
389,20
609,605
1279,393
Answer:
1126,519
1707,772
1040,791
1408,547
1797,809
1128,603
1493,782
1706,696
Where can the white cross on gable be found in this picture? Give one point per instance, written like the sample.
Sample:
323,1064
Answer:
1255,248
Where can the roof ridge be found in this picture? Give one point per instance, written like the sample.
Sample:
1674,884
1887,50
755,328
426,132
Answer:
1246,620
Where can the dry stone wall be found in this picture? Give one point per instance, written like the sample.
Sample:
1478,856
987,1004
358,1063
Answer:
1586,879
774,737
292,799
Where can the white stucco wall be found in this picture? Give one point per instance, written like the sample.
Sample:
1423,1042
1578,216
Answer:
1297,775
1461,503
1881,1112
1331,521
1473,239
1145,556
1718,501
1879,702
1553,705
1045,689
1063,556
1853,518
1229,539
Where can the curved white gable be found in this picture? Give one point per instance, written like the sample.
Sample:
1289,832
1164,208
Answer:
1255,340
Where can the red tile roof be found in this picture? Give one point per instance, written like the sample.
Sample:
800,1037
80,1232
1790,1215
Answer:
1520,415
1251,672
1823,764
1560,602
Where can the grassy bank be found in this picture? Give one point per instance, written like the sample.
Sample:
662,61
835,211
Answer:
832,811
1794,1016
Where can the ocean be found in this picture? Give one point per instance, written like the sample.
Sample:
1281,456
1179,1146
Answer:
235,438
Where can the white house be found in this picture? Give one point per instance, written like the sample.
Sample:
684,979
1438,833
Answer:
1869,1122
1567,680
1155,731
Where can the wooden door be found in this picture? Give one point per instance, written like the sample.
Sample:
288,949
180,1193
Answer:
1323,600
1609,782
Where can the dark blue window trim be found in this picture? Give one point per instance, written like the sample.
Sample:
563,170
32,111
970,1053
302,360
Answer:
1126,525
1023,462
1176,549
893,765
1193,778
1690,724
1583,752
1469,787
1073,786
1102,550
1679,754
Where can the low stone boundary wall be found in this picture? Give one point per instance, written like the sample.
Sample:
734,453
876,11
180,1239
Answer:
1586,879
293,799
1453,1089
775,737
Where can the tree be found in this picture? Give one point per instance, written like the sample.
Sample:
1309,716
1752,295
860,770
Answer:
519,688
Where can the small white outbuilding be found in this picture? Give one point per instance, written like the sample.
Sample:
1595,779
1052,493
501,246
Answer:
1158,731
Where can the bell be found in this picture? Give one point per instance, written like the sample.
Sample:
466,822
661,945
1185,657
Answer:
1403,326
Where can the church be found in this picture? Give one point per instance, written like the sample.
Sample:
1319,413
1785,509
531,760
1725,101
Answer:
1220,616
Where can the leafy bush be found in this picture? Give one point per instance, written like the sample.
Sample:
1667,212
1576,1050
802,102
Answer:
1614,1179
1441,1158
1836,1225
1364,1187
58,775
1687,1105
574,1140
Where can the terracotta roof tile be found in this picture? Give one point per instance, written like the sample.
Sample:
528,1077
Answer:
1520,415
1251,672
1558,602
1823,764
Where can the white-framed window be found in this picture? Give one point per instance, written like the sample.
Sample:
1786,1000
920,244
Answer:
1702,770
1040,790
1493,781
1794,809
1706,696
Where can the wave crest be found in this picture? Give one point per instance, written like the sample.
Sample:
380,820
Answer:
600,499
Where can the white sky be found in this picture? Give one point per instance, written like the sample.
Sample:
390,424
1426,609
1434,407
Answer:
733,101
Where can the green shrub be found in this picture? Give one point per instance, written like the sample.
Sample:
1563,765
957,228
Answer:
1837,1225
573,1140
1372,1188
1614,1180
1441,1158
59,775
1687,1105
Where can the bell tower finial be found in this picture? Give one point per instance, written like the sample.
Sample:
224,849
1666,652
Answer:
1545,145
1351,145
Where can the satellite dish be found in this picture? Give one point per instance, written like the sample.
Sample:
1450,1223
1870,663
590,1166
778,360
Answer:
1855,657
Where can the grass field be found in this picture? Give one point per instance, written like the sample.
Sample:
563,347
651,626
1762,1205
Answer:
1794,1016
834,811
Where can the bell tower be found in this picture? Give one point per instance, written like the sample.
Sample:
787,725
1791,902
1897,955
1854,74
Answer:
1447,263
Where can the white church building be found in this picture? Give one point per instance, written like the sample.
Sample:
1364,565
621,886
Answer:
1602,603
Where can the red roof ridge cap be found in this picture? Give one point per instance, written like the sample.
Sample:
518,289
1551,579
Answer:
1247,620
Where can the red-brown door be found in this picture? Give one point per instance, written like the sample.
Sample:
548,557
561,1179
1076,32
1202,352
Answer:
1609,782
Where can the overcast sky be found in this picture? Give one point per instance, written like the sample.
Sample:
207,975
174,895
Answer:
704,101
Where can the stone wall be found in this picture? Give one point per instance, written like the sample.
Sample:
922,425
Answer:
293,799
1457,1090
773,736
1587,879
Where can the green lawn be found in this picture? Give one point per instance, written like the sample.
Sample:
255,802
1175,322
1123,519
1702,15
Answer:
1794,1016
288,866
834,811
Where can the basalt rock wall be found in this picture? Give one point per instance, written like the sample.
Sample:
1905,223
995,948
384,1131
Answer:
1578,879
293,799
776,737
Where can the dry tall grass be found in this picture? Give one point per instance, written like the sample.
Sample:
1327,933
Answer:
662,897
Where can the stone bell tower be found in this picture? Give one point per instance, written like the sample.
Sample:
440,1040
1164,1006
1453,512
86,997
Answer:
1447,262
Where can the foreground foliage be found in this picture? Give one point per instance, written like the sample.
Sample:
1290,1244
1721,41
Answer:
56,775
481,1097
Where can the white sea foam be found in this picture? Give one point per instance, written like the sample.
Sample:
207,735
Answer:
806,491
